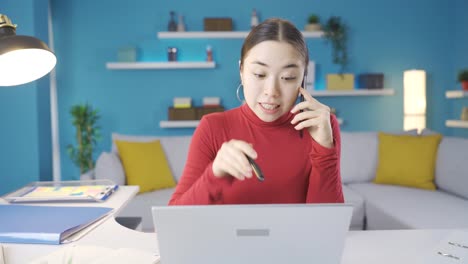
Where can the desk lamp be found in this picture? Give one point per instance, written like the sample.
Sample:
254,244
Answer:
23,59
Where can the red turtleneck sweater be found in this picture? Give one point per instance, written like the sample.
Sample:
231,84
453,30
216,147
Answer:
296,170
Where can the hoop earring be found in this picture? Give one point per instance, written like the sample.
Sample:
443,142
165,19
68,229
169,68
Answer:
238,94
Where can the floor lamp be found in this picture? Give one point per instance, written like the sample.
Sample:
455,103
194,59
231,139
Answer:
24,59
56,170
414,82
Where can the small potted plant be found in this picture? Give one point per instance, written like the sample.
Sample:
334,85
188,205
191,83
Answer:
313,23
463,79
87,135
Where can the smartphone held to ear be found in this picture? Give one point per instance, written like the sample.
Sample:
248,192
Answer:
304,81
301,99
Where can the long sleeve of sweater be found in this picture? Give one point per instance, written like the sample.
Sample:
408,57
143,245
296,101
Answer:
325,179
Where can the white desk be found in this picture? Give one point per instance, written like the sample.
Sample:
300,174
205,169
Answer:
390,246
362,247
109,231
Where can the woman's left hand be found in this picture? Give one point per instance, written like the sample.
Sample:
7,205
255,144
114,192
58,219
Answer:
315,117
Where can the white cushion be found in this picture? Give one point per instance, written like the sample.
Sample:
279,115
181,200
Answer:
109,166
141,205
451,174
175,148
396,207
88,176
352,197
359,155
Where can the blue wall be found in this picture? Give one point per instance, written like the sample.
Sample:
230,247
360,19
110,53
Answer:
25,134
386,36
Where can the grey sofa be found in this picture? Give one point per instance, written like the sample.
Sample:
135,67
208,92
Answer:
376,206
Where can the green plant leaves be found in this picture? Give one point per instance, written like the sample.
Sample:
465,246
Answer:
463,75
336,33
87,134
313,19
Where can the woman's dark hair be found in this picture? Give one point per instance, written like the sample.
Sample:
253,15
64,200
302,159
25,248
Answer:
279,30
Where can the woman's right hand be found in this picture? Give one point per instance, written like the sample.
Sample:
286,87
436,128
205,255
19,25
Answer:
231,160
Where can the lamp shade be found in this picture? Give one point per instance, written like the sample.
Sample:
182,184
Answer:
23,59
414,82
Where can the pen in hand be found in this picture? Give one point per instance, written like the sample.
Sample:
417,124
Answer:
256,169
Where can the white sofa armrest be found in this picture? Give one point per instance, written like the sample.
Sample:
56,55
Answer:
109,167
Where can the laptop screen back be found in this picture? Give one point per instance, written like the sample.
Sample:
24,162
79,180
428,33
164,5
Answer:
288,233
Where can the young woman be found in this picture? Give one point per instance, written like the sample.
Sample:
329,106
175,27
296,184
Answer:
296,146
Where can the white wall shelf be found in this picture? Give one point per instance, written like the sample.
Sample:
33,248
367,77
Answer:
223,34
179,123
456,94
194,123
160,65
356,92
456,123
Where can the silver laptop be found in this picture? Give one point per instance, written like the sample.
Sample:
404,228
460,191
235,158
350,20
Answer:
273,234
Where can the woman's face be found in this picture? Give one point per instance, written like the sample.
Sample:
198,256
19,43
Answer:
271,74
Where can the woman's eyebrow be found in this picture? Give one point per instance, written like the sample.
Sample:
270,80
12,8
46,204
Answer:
292,65
259,63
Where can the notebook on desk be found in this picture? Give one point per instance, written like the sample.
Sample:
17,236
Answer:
46,224
273,234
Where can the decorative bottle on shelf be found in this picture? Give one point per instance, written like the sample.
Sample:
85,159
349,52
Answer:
209,53
253,19
172,54
181,24
172,25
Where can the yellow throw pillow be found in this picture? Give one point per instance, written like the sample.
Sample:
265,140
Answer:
407,160
145,164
